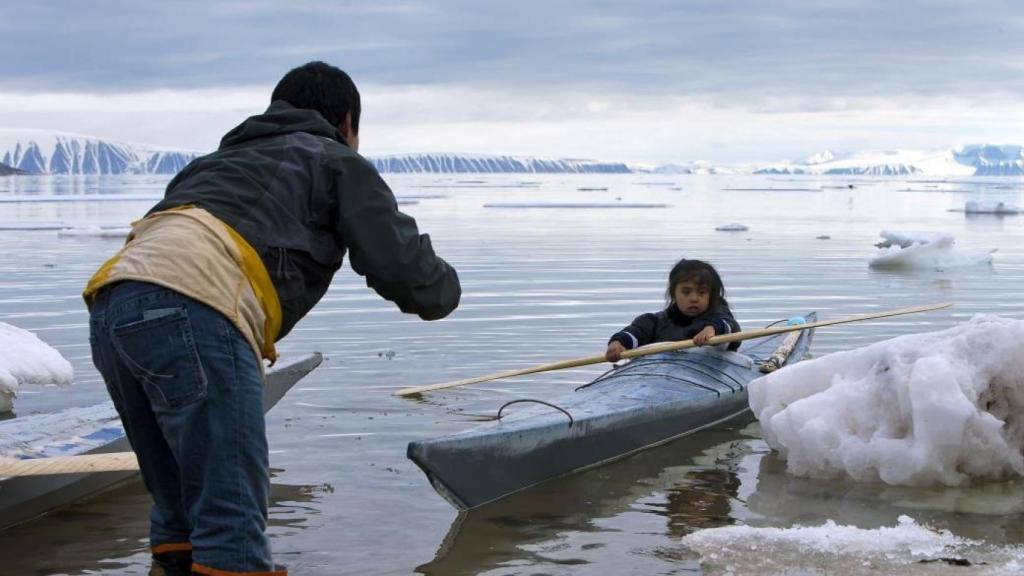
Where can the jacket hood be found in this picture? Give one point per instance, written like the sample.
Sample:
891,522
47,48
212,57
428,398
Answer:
279,119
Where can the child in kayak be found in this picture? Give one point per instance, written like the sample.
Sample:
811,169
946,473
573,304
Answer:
696,309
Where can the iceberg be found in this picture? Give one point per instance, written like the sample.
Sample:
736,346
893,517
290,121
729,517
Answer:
25,359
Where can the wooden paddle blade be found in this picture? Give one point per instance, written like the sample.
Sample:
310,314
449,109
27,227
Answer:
83,464
669,346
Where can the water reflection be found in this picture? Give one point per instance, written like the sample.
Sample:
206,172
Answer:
702,501
690,484
991,511
117,524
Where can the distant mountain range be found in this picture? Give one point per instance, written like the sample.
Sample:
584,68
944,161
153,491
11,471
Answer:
43,152
975,160
7,170
60,153
56,153
477,164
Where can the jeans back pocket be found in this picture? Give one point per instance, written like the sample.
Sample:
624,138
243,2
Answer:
160,351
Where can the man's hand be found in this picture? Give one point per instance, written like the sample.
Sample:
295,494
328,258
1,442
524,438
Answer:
703,336
614,351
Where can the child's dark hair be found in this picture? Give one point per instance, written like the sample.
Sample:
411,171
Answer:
321,87
700,273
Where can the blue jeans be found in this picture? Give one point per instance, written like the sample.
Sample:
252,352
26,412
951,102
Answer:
189,390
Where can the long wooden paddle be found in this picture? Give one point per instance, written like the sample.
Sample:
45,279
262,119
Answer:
81,464
665,347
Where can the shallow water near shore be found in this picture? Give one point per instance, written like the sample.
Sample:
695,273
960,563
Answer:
540,284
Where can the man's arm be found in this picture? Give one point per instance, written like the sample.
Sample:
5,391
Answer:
386,247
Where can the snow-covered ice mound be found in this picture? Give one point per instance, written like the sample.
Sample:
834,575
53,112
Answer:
922,409
924,250
25,359
907,548
974,207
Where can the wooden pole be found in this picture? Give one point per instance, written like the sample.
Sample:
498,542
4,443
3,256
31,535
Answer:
83,464
665,347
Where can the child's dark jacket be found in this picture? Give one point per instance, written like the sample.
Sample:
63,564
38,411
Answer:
670,325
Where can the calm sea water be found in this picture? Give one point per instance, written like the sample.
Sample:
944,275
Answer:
540,284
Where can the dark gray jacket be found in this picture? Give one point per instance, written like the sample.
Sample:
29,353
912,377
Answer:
286,181
670,325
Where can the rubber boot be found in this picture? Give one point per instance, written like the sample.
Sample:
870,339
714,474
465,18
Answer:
278,570
176,563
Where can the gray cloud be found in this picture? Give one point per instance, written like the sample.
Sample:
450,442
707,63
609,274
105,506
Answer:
743,51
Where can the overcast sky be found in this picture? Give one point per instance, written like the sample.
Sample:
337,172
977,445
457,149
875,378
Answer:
644,80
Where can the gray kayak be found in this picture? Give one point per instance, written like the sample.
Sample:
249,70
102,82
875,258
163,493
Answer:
90,430
646,402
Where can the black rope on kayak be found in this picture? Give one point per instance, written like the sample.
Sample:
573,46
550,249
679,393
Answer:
559,408
614,369
617,369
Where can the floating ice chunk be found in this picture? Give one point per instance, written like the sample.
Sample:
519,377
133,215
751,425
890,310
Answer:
94,232
731,227
573,205
922,409
62,198
907,239
31,226
403,197
924,250
907,548
25,359
973,207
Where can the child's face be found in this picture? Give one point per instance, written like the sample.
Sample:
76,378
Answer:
691,299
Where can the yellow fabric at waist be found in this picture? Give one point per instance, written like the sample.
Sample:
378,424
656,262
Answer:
190,251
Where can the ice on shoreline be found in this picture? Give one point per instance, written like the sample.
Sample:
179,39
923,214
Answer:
907,548
94,232
938,408
923,250
25,359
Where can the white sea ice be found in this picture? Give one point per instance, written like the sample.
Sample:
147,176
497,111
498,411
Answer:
575,205
922,409
732,227
923,250
21,226
25,359
95,232
974,207
907,548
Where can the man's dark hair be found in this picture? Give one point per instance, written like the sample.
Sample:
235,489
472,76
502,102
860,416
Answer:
321,87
